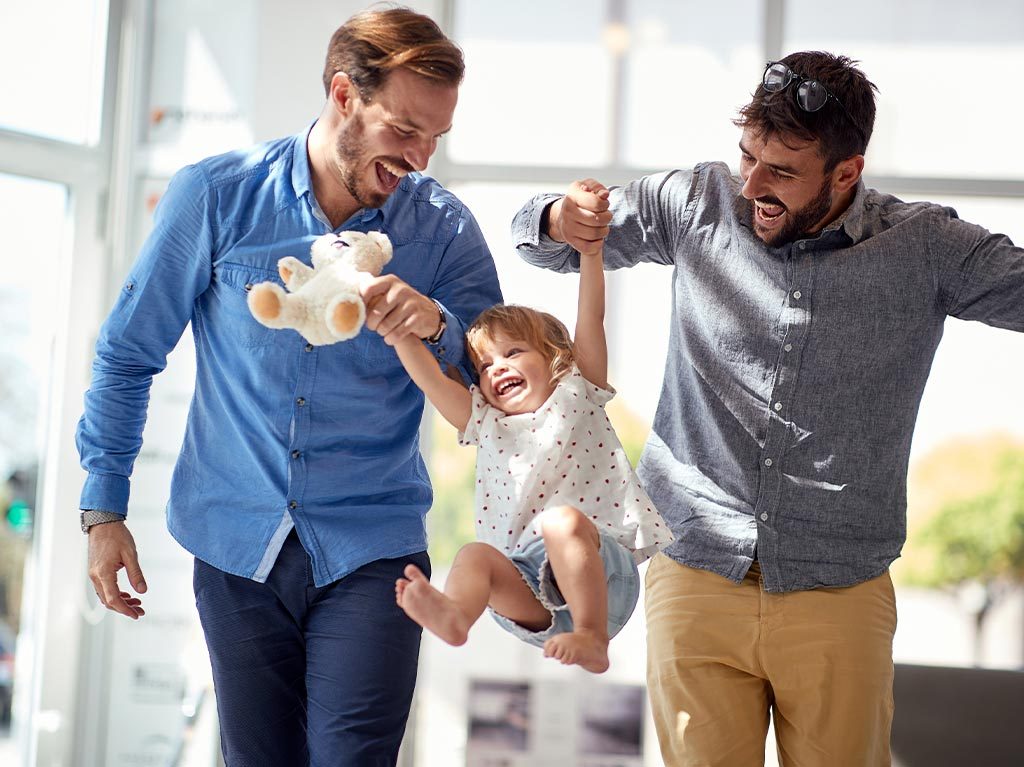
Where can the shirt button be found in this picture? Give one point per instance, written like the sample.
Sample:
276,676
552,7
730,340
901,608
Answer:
764,517
248,286
309,347
301,401
778,406
296,453
293,504
797,294
788,347
767,461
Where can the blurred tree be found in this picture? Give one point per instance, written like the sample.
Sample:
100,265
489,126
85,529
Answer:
974,541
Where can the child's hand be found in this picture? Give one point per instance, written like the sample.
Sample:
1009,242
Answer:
581,217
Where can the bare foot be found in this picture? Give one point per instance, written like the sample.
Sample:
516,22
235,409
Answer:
430,608
580,648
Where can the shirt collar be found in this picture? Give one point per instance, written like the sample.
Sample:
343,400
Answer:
302,181
852,220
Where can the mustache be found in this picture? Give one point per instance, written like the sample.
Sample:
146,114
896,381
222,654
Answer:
771,201
398,163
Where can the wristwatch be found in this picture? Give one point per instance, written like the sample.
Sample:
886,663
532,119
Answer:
90,518
440,330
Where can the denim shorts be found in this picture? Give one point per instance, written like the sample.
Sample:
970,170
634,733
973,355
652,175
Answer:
620,573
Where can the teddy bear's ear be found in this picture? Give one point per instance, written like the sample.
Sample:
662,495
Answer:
382,242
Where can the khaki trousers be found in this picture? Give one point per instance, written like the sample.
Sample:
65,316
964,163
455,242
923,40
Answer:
721,656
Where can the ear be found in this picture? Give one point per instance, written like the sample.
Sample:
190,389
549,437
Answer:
383,243
343,94
847,173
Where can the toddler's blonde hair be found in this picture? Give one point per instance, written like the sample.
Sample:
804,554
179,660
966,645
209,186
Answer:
541,330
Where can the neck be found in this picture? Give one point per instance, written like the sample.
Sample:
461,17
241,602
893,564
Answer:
839,207
329,189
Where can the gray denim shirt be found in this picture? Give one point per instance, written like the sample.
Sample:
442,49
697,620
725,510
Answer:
794,374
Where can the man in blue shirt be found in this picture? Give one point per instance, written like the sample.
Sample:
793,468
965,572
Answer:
299,487
806,312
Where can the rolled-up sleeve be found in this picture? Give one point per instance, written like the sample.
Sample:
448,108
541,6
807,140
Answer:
153,307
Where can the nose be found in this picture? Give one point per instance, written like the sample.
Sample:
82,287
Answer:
754,183
419,152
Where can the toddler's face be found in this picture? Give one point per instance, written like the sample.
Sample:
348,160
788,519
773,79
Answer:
514,376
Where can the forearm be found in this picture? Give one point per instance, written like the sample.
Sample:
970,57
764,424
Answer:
590,341
452,400
648,216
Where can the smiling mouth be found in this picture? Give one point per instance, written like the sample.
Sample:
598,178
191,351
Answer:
768,214
389,175
508,385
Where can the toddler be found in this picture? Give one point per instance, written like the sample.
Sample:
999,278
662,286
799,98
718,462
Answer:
561,519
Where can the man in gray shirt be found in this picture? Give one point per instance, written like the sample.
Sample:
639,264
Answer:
806,313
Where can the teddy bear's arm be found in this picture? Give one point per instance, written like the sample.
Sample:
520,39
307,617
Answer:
293,273
451,398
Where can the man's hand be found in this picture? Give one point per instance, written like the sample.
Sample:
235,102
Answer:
394,309
581,218
112,547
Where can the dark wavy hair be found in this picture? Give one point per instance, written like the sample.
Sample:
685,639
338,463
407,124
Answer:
839,135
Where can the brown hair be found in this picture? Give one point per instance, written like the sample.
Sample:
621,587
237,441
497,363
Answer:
840,135
541,330
374,43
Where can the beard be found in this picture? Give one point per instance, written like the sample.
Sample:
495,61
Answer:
799,221
351,155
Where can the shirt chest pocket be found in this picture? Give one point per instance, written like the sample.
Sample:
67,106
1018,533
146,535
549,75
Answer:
228,311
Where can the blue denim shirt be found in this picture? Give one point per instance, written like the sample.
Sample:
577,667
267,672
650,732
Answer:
794,374
279,433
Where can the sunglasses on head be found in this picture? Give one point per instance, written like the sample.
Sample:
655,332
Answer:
810,94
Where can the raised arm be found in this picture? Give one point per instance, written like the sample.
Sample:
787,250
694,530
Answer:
589,340
451,399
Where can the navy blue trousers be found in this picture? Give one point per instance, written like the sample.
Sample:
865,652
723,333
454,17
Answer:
306,675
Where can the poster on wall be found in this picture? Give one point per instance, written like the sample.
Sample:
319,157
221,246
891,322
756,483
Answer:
517,723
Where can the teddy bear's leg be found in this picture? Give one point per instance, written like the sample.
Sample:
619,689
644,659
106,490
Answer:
267,303
345,316
293,273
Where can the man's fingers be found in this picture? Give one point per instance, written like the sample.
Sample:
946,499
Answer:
112,547
400,331
589,195
112,597
135,576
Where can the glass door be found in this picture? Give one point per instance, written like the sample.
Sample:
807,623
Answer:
32,251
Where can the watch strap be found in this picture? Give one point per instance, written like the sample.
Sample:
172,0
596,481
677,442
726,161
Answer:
92,517
441,328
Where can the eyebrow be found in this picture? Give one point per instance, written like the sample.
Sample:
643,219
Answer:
408,121
784,168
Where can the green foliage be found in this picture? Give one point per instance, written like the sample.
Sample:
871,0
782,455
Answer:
450,523
980,537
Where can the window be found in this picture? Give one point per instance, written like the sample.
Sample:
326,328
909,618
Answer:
28,314
946,74
53,82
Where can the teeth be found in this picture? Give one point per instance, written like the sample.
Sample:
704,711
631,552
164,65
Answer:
769,211
505,386
392,169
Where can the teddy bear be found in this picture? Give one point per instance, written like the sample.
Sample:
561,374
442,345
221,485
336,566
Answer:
323,303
